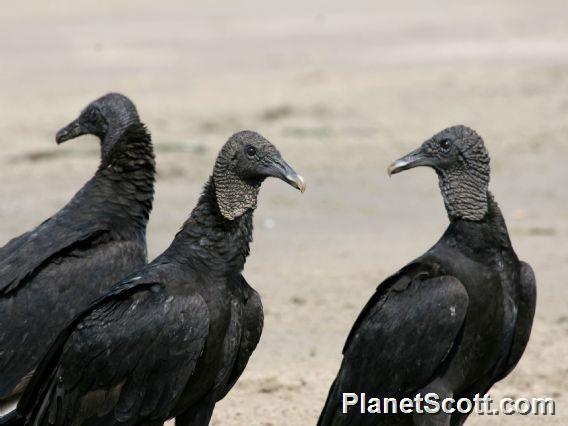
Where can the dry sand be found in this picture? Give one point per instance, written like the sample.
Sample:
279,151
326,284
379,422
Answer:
342,88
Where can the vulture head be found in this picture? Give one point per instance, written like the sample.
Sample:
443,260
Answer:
459,157
243,163
105,118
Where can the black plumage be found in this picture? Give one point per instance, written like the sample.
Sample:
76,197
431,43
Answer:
455,320
52,273
173,338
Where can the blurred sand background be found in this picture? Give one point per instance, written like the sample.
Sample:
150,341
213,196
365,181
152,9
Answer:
342,88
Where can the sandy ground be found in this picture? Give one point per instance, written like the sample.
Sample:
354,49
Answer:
342,88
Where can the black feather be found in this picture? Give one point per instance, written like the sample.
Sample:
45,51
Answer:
454,321
170,340
52,273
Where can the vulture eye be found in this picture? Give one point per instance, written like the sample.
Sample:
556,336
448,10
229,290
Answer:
93,115
251,151
445,143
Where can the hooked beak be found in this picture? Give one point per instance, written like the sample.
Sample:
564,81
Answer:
416,158
282,170
71,131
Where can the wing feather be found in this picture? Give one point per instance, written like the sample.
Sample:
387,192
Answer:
24,255
401,338
130,355
252,329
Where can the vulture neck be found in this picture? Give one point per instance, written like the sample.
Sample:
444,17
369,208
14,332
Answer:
210,239
126,176
465,193
478,237
115,131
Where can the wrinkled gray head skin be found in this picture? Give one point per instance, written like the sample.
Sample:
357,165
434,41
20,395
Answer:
461,161
106,118
243,163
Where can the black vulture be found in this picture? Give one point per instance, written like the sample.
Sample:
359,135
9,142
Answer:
51,273
171,339
452,322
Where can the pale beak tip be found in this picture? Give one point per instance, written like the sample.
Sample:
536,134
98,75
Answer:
396,167
299,182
